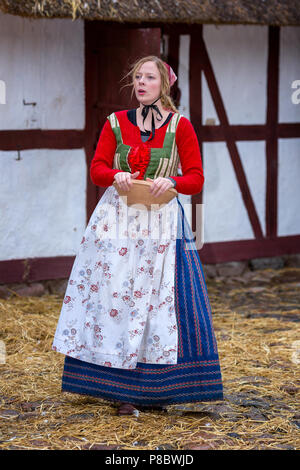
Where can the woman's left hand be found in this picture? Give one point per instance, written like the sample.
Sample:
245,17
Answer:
160,185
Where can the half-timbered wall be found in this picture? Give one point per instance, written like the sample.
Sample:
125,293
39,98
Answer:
42,190
240,103
236,86
238,56
289,149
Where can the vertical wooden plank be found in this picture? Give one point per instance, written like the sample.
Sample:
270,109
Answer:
272,123
173,60
196,112
92,190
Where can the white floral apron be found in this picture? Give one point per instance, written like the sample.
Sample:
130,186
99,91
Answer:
119,306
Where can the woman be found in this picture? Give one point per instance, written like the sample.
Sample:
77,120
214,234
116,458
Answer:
136,325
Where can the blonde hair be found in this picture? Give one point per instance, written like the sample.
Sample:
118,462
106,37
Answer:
165,97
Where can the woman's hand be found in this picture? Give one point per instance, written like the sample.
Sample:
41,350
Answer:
123,179
160,185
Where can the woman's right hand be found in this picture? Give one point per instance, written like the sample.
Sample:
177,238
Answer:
124,179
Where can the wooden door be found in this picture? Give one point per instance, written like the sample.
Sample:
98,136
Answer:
111,49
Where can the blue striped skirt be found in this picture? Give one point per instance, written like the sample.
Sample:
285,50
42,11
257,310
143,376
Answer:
196,377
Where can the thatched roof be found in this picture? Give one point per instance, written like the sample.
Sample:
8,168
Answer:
261,12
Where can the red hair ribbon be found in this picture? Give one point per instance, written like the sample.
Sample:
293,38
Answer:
171,73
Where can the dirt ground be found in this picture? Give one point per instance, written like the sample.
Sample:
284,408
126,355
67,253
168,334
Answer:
256,320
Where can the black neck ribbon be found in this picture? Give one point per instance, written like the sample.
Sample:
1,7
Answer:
145,111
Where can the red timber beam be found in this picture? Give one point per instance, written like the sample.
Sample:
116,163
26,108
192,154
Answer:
92,191
243,250
35,269
38,269
38,138
271,137
250,132
195,104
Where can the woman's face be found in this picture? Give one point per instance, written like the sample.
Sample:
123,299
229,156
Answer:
147,83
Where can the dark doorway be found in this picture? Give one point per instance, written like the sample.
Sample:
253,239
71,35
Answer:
110,50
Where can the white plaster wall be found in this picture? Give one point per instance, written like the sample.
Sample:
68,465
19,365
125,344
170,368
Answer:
288,187
42,203
238,54
289,72
253,159
225,215
42,61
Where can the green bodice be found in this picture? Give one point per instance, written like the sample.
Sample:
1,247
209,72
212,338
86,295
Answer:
163,162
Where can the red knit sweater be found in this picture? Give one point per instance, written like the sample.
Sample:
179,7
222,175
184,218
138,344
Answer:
192,179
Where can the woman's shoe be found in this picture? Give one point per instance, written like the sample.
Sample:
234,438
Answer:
127,409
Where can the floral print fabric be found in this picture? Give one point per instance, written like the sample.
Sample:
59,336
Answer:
119,306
